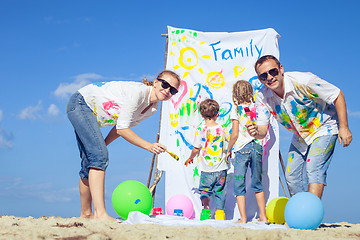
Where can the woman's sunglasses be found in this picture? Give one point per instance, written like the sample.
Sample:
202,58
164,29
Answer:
165,85
273,72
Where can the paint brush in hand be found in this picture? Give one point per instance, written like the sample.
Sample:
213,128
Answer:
248,114
173,155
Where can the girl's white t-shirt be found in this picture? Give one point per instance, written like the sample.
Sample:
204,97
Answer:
238,113
120,103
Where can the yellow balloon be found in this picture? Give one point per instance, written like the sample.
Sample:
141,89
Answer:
275,210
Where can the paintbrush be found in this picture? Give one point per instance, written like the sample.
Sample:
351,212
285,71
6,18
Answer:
173,155
247,114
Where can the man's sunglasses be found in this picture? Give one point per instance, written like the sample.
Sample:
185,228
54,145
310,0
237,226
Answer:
273,72
165,85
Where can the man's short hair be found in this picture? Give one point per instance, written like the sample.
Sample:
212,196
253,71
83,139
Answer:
209,108
264,59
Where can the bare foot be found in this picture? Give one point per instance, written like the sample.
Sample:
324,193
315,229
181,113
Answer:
105,217
89,216
263,219
242,220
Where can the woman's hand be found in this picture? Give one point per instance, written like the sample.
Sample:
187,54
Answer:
156,148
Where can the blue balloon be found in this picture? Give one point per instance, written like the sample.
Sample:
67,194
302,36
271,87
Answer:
304,210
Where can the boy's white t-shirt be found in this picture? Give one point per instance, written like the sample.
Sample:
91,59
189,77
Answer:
211,141
119,103
238,113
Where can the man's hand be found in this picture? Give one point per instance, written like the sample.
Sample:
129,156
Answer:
252,129
345,136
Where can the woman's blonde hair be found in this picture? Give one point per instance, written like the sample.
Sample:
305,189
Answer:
165,72
242,92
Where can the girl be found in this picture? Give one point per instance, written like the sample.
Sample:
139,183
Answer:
248,150
122,105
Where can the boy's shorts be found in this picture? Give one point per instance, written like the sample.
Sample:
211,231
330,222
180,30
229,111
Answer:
92,147
213,183
311,167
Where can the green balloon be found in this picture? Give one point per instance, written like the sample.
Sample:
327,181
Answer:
131,196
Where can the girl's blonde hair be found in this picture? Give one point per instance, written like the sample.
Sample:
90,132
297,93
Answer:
242,92
165,72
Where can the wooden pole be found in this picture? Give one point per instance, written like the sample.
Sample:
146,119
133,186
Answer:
157,176
283,168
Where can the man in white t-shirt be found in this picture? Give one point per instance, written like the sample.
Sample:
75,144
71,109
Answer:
314,110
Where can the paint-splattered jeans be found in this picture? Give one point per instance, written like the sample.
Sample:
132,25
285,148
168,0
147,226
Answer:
213,183
251,154
93,151
311,167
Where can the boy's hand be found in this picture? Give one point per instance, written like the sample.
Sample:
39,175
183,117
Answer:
189,161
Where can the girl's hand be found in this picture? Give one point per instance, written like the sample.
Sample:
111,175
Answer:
189,161
156,148
228,155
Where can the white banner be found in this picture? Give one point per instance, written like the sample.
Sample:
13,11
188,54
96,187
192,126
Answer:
209,64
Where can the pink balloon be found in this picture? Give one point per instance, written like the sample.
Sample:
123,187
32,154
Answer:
180,202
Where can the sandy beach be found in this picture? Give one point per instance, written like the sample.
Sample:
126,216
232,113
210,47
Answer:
76,228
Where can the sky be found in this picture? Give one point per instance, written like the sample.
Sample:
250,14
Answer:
49,49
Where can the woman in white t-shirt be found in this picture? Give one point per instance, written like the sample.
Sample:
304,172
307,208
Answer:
122,105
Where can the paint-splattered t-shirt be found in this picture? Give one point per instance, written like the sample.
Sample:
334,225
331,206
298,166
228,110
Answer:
212,144
119,103
238,113
307,108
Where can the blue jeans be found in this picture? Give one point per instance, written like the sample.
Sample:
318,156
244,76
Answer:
311,167
92,147
251,154
213,183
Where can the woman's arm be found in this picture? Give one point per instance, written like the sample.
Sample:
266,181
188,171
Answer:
130,136
112,135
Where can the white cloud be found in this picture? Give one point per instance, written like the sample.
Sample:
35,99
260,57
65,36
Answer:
53,110
6,139
354,114
64,90
31,112
17,188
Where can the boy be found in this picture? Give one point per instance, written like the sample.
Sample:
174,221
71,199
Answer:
210,146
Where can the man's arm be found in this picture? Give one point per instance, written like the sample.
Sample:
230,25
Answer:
345,136
257,131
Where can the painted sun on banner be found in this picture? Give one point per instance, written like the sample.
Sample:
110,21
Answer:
208,64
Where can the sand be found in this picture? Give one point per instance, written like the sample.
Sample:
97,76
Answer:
76,229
